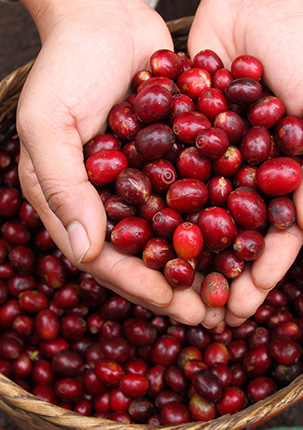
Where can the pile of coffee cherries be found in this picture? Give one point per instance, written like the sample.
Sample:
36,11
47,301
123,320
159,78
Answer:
195,165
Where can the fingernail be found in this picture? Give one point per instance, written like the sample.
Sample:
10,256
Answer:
177,320
180,320
163,303
78,240
266,290
208,327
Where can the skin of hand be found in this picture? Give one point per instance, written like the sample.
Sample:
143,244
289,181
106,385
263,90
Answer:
90,51
269,31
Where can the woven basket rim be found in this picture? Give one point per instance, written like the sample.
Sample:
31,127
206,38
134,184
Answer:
17,398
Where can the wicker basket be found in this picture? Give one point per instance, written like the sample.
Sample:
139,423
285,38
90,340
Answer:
30,412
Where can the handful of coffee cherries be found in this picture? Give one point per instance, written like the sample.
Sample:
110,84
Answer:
197,163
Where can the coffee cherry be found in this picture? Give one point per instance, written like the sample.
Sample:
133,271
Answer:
247,66
152,104
165,63
187,240
179,273
249,245
281,212
218,228
279,176
131,234
192,82
247,207
215,290
104,166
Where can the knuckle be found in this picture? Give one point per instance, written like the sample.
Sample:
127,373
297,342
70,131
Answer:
56,195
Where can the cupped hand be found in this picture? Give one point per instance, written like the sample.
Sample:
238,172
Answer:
90,51
269,31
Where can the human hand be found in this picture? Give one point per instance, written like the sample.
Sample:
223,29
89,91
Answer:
90,51
236,27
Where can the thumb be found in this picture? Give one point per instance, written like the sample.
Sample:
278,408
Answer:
298,199
55,163
213,30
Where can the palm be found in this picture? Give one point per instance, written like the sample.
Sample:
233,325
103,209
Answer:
257,28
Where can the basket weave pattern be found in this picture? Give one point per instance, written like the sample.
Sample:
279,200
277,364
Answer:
10,88
30,412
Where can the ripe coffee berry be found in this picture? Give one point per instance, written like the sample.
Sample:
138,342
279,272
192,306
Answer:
212,142
179,273
131,234
187,240
192,82
134,385
247,66
125,125
161,173
157,252
218,228
152,104
249,245
192,164
279,176
247,207
154,141
215,290
211,102
255,145
222,78
208,60
207,385
229,163
165,63
261,387
175,412
285,350
289,135
104,166
281,212
232,401
266,112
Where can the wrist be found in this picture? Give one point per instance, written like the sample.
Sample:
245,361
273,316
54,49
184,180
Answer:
43,13
47,13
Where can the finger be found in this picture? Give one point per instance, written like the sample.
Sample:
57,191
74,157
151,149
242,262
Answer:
233,320
56,159
130,275
281,250
184,307
213,316
298,199
249,290
244,298
211,30
196,286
